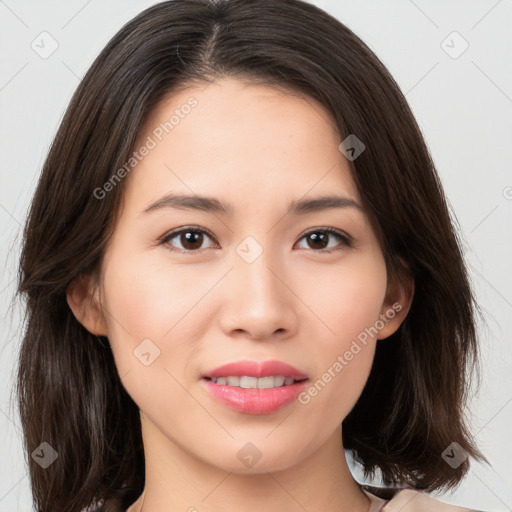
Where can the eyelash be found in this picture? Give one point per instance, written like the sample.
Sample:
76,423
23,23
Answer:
345,239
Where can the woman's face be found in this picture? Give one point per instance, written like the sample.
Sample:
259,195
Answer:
251,282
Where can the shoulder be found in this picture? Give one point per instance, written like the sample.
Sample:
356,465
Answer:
408,500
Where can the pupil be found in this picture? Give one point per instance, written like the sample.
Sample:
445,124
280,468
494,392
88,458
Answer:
315,237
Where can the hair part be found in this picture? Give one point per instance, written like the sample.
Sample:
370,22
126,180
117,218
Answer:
69,392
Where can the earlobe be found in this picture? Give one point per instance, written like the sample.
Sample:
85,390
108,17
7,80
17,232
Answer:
396,307
86,306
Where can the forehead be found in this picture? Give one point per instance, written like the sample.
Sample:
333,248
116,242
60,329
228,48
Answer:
242,142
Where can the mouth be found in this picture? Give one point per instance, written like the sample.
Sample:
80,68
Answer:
255,387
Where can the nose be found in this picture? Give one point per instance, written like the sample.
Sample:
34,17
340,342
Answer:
258,302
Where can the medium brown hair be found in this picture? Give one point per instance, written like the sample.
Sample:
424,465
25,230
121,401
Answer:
69,392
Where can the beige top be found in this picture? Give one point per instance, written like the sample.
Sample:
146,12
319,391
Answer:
409,500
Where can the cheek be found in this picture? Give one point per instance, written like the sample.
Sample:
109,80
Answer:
149,299
348,301
150,329
346,298
147,306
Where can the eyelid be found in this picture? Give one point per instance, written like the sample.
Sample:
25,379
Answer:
347,240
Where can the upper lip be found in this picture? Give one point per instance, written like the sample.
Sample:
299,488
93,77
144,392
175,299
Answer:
256,369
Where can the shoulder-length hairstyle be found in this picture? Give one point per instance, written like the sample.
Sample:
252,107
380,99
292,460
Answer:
68,390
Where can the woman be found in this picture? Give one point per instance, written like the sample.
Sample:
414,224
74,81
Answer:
239,262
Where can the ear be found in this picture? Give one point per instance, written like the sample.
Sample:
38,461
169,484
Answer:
83,299
396,306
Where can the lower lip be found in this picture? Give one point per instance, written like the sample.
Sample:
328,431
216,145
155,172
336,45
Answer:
254,401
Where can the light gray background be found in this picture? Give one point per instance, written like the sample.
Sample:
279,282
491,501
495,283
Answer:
463,104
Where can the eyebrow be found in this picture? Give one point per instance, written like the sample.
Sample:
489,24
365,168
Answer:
213,205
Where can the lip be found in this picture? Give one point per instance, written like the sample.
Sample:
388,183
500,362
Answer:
254,401
256,369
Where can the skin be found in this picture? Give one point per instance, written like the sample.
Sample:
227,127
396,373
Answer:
256,148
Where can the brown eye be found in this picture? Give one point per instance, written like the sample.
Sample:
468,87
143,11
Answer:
187,239
319,239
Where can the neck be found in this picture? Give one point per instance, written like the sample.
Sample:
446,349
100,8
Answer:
176,480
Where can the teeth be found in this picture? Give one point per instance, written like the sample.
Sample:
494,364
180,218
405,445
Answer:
268,382
233,381
254,382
